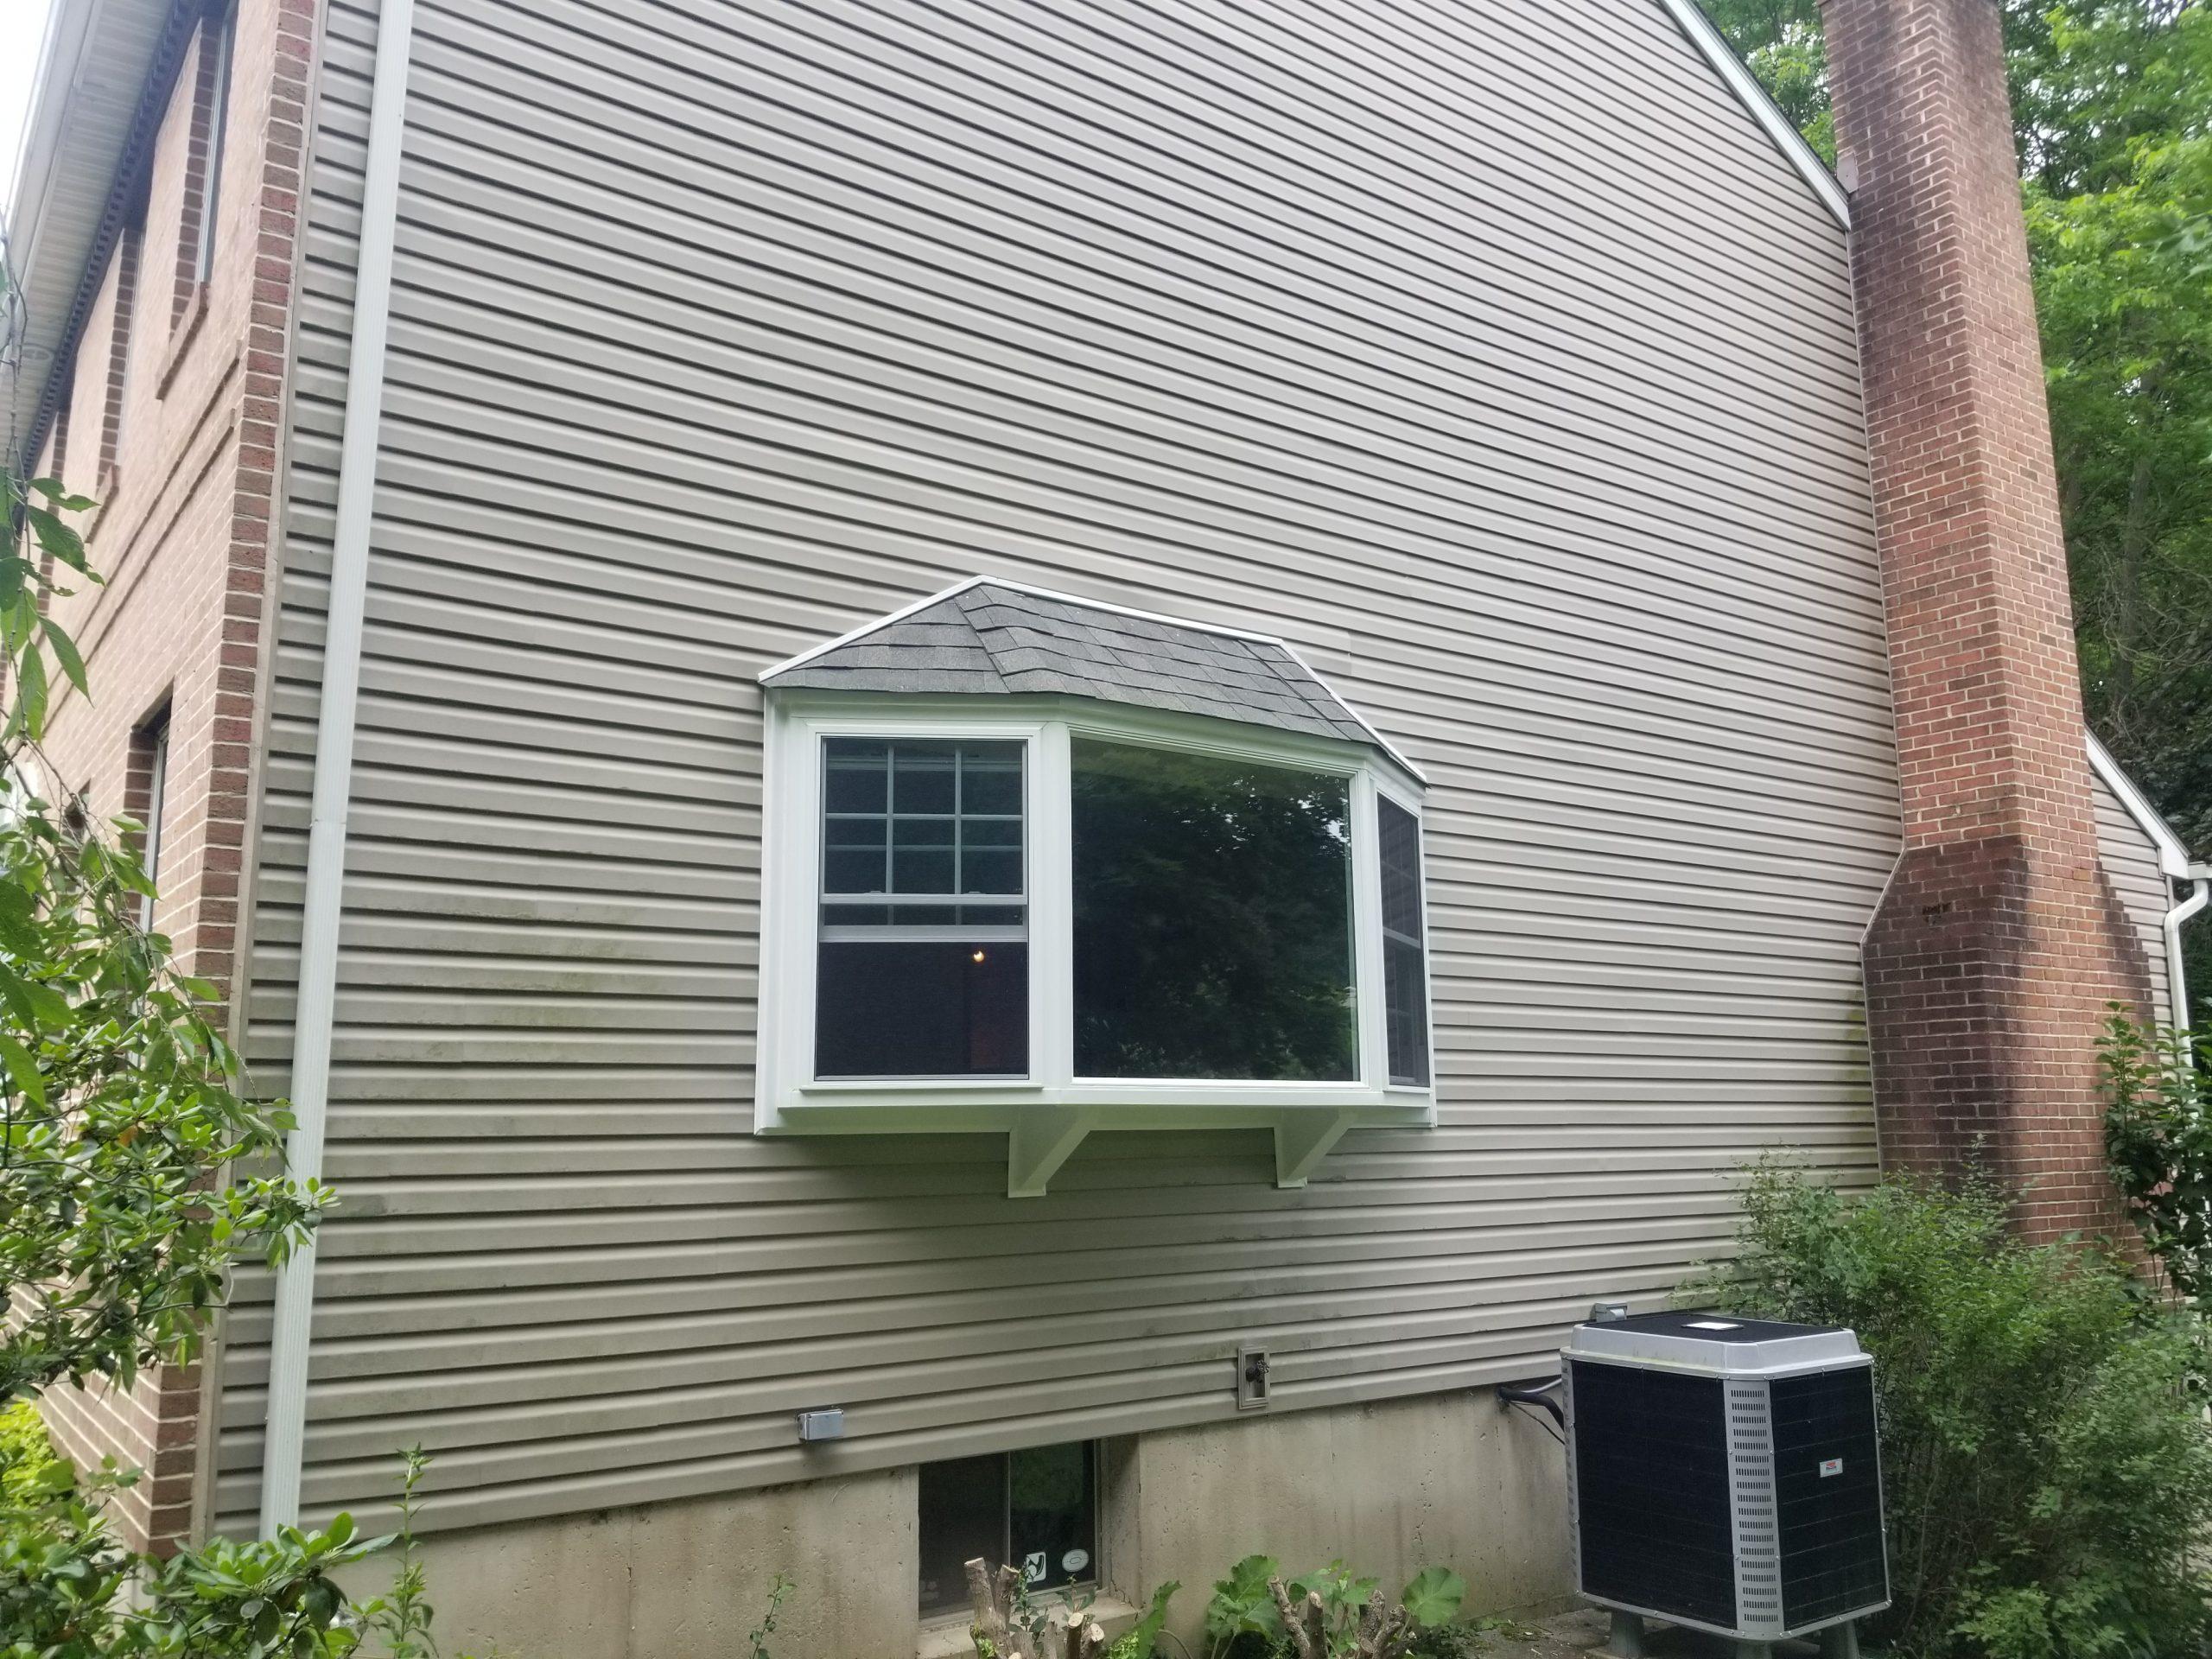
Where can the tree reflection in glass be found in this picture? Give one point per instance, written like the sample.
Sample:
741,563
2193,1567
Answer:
1212,918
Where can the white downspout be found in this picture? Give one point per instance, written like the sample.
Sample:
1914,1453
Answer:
286,1431
2200,877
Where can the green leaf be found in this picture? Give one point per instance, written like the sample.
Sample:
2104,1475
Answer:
65,652
27,717
22,1070
1144,1636
1434,1597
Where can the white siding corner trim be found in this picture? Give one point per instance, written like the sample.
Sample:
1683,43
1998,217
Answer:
285,1435
1722,56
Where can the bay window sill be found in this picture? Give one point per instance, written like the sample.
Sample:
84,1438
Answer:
1045,1125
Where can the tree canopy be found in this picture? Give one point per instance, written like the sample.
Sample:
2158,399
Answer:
2112,104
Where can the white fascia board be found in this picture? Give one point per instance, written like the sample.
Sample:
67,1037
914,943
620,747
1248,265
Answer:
2173,857
1722,56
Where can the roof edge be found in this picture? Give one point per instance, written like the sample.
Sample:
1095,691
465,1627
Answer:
2173,857
1709,40
46,124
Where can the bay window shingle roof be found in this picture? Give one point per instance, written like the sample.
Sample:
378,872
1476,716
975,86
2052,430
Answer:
992,638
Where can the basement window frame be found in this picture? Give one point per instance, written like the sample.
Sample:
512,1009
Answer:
1048,1111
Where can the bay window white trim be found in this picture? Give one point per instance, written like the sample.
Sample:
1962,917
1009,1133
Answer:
1046,1113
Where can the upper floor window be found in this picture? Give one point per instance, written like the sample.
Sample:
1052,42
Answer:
115,393
210,101
1041,864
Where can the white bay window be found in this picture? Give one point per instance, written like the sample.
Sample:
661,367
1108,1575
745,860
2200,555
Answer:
1039,866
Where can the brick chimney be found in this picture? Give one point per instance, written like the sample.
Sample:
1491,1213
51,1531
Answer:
2001,941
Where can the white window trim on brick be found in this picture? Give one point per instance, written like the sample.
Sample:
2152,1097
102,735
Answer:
1048,1113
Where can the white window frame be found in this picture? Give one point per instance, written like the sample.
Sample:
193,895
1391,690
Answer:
1047,1114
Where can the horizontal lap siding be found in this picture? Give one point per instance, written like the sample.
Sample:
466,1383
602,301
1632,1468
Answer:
1491,355
2131,863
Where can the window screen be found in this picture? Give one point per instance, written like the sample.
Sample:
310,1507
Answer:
1212,917
922,960
1405,992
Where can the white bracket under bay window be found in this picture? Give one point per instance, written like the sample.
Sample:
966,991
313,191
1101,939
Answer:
1050,911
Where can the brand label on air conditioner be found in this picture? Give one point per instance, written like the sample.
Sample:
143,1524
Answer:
1831,1466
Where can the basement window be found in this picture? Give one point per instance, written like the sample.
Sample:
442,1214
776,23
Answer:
1036,1510
1048,910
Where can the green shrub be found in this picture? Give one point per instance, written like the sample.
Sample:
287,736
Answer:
29,1468
69,1590
1143,1640
1242,1622
2159,1144
2046,1462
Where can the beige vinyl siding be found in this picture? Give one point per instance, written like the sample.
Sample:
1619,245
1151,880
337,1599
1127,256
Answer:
2131,865
1491,355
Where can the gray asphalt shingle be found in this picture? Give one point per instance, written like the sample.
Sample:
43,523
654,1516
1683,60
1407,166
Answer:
989,638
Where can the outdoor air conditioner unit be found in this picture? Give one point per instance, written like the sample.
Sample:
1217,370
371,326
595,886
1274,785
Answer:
1724,1473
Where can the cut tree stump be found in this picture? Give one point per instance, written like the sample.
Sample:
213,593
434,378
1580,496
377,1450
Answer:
1069,1633
1383,1631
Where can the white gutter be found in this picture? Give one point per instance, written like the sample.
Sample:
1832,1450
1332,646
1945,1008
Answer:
334,768
2200,877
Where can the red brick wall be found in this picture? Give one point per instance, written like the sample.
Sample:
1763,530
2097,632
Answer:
181,535
2001,941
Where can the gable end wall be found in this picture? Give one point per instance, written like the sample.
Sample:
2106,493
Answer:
1515,386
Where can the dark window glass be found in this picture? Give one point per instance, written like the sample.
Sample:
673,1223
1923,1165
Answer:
1212,918
918,983
962,1512
1405,994
921,1008
1036,1510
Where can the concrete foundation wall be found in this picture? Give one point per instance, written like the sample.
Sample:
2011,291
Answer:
1440,1480
685,1580
1447,1480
